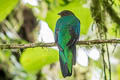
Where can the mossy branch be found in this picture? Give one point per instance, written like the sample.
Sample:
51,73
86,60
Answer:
32,45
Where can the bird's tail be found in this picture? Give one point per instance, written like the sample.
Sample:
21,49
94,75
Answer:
73,48
66,62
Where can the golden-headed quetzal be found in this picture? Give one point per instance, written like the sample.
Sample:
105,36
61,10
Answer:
67,32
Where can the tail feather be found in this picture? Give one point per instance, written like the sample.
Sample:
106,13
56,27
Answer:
74,54
67,58
64,68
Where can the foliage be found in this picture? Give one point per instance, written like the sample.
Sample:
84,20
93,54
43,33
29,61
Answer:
33,59
6,6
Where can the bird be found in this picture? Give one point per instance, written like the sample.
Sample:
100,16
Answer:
67,32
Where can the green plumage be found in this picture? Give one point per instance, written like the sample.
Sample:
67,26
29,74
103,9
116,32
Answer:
66,55
66,34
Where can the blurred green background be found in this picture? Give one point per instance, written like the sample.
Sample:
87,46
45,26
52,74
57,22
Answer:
27,21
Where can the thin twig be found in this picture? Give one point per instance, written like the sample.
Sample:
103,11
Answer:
114,48
104,68
108,55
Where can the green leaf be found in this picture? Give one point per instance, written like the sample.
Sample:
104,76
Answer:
76,7
33,59
6,6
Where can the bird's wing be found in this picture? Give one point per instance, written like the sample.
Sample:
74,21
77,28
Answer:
56,35
74,37
74,32
56,39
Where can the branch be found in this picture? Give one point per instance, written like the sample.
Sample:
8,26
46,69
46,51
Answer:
32,45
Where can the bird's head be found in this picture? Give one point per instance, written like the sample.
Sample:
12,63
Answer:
65,13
